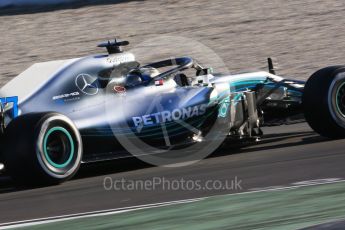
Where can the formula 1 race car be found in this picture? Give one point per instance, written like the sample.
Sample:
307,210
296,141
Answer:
57,115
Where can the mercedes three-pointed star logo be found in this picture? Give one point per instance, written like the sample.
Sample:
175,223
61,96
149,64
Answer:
86,84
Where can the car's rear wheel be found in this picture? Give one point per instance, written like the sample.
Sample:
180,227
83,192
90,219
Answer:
324,101
42,148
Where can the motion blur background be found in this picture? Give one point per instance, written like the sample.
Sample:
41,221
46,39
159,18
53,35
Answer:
302,36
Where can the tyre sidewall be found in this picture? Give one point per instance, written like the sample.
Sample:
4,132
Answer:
46,124
338,80
318,105
23,153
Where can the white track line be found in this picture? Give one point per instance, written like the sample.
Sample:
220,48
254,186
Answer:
27,223
33,222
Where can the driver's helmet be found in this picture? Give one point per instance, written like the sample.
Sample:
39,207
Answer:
137,76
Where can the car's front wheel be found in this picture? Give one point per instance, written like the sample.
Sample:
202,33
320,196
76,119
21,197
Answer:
324,101
42,148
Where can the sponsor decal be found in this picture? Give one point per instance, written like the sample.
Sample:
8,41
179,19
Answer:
117,60
168,116
87,84
66,96
159,82
119,89
223,110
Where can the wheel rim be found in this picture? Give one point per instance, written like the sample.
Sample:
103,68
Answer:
58,147
340,99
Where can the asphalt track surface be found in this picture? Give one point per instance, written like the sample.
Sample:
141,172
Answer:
287,155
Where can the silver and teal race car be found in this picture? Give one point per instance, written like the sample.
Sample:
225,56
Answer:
57,115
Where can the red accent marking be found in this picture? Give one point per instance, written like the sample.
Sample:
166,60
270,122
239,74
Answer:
119,89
